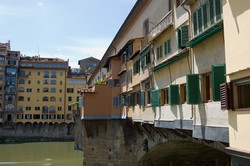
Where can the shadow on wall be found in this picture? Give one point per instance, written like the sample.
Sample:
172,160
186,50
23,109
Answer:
237,9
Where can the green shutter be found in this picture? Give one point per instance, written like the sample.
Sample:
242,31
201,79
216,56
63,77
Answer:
173,95
142,98
184,35
218,77
126,101
155,98
132,99
193,89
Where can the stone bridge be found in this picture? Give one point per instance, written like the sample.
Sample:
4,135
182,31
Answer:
123,142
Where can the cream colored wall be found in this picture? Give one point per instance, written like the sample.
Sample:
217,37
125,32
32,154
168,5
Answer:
210,51
236,30
237,33
239,130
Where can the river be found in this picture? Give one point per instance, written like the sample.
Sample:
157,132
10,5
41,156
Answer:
40,154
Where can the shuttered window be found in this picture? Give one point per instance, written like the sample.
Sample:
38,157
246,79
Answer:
173,94
193,89
225,96
136,67
167,47
218,77
183,36
142,98
155,98
206,16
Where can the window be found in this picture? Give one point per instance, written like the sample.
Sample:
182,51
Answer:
2,59
148,97
20,98
69,108
52,116
193,89
159,52
45,89
164,97
136,67
29,89
243,95
38,82
45,98
21,81
45,116
61,74
11,71
146,27
29,81
54,65
28,99
60,90
53,99
53,90
207,87
12,62
70,90
69,98
167,47
38,73
21,89
37,108
53,82
60,99
206,16
45,109
145,60
183,37
28,108
46,65
53,74
155,98
46,74
129,76
19,116
38,65
59,116
60,82
59,108
36,116
183,98
174,95
52,109
19,109
45,82
28,116
38,90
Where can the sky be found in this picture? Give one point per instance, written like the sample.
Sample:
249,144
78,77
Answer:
66,29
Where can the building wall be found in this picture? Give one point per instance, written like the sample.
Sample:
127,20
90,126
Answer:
236,31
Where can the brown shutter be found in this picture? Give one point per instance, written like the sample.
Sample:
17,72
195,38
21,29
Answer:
225,96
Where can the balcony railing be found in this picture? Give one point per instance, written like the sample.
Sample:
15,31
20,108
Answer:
161,26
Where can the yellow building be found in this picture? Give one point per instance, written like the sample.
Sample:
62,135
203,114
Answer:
236,93
45,89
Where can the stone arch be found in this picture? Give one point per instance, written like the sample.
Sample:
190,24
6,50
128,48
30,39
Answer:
56,129
71,129
35,128
28,129
19,128
181,152
63,129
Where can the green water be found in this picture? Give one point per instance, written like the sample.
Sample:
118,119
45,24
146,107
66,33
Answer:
40,154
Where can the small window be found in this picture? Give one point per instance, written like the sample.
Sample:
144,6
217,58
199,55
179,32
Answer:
70,90
21,81
45,90
45,98
20,98
164,97
53,99
183,98
207,87
53,82
159,52
29,81
53,90
69,98
167,47
46,74
242,89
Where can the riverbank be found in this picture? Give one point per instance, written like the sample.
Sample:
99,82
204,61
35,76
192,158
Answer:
16,140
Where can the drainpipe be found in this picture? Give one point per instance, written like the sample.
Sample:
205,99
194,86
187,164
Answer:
190,49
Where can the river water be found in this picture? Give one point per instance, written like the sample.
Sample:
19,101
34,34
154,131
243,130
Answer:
40,154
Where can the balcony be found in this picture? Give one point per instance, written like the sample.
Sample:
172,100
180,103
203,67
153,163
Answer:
166,22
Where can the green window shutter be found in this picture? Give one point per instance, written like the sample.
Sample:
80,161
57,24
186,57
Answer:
174,95
184,35
132,99
126,101
142,98
218,77
155,98
193,89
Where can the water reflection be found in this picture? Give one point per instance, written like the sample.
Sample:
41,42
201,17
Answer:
40,154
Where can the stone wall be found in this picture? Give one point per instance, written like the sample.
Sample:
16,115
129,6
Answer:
38,130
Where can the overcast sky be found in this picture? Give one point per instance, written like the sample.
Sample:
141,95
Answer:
67,29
